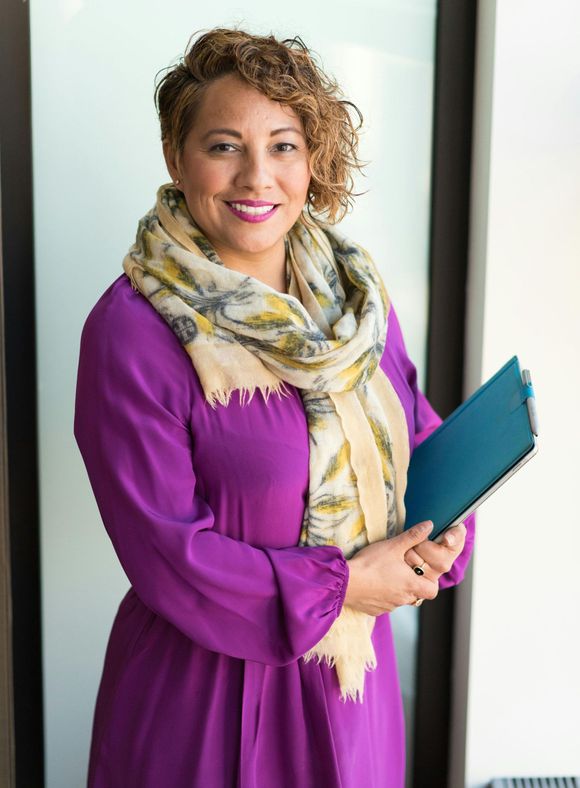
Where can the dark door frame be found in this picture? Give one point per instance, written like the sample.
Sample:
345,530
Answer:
22,753
21,693
449,236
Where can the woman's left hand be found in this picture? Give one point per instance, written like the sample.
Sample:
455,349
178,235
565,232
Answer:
438,556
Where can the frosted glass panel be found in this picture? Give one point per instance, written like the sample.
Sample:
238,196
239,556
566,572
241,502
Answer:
97,164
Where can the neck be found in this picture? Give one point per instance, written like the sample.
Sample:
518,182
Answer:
269,268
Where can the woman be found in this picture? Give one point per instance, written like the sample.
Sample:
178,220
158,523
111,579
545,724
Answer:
246,410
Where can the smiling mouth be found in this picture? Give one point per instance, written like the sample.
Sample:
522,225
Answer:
249,213
258,210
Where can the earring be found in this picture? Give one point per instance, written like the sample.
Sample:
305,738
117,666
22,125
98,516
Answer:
176,181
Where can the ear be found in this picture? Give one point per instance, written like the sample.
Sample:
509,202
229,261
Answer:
172,163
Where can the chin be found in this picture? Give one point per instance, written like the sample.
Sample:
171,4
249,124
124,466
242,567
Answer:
255,248
254,243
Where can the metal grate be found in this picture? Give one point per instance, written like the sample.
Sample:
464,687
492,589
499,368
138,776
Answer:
535,782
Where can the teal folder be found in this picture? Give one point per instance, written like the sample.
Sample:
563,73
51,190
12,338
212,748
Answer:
475,450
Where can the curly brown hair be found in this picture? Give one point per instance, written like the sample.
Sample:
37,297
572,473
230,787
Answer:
287,72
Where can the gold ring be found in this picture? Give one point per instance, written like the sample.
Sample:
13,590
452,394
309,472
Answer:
418,603
419,569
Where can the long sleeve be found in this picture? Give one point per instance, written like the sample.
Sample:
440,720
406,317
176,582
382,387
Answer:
426,421
132,426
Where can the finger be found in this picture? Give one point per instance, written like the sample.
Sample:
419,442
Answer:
412,536
450,541
454,537
423,589
413,559
438,556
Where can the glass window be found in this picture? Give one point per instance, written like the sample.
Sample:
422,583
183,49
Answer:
97,164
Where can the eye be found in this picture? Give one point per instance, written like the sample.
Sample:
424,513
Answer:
221,146
289,144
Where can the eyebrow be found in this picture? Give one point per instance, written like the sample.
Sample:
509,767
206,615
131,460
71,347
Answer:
234,133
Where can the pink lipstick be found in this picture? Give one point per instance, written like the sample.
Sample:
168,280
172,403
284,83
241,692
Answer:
252,210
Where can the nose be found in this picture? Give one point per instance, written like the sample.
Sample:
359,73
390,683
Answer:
255,173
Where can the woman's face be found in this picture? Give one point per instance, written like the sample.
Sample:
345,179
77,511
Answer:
243,151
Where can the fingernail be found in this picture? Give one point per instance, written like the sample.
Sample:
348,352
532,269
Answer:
426,526
450,539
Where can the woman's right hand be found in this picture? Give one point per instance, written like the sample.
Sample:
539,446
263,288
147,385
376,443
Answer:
380,579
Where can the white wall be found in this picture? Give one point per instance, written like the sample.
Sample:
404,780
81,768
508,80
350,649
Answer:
523,710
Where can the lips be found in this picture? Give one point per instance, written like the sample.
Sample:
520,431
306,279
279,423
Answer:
252,210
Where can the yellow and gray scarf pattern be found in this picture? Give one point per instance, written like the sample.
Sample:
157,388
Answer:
326,337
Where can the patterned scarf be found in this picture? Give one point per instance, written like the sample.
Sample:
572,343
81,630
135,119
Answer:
326,337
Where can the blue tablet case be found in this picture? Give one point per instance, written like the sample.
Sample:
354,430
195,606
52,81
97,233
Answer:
473,451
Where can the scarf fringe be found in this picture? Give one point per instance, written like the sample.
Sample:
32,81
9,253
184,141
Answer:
132,279
349,674
348,647
217,397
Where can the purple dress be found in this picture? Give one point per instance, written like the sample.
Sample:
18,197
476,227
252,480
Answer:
203,684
